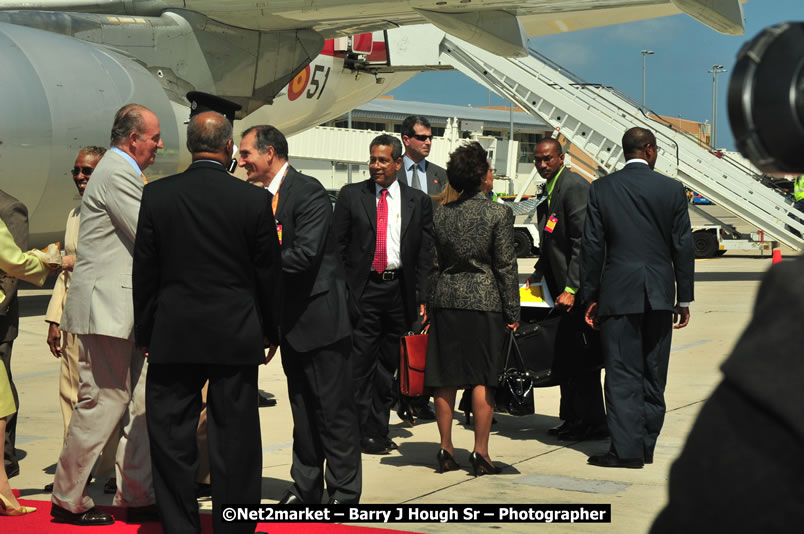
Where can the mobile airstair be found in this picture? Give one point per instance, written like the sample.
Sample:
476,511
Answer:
594,117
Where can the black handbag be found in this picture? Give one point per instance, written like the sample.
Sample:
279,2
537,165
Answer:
537,345
515,384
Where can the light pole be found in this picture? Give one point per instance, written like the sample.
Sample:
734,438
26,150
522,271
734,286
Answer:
644,53
716,69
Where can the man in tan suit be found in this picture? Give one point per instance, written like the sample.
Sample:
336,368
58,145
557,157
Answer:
66,347
100,312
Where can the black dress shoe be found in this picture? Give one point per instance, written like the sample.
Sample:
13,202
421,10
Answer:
91,517
649,459
142,514
377,445
110,488
406,415
611,460
425,413
556,430
583,432
290,498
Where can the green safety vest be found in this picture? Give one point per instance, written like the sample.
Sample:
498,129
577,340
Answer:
798,188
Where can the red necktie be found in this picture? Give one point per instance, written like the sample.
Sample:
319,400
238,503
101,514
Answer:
380,252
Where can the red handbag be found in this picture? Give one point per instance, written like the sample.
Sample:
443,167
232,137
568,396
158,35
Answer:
412,359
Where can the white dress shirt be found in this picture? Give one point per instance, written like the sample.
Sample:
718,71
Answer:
273,187
393,233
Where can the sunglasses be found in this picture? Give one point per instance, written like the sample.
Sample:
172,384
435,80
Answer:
422,137
79,170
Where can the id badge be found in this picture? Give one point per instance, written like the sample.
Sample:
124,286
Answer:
279,232
551,223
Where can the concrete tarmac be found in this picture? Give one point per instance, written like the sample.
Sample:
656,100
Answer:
540,469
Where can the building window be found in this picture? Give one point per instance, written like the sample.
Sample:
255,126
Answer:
527,142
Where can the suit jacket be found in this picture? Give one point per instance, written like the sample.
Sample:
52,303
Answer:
15,215
436,177
55,307
474,264
355,225
315,312
560,250
637,241
100,300
207,273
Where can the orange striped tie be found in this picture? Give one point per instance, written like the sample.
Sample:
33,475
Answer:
144,179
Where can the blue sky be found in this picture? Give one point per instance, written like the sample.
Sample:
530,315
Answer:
678,84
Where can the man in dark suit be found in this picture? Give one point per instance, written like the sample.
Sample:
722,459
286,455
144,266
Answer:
416,171
206,301
316,328
384,231
560,221
15,215
637,242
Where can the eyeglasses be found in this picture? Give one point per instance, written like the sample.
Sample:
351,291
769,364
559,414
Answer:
422,137
86,171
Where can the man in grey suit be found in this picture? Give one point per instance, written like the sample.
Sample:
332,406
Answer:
637,259
15,215
416,171
100,311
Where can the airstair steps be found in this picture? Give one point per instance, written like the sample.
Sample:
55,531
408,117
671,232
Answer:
594,117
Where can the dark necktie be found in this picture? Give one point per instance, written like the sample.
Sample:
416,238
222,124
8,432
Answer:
380,251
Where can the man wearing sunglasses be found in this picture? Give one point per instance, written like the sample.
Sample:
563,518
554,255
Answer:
416,171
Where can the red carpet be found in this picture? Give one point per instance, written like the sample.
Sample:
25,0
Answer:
39,522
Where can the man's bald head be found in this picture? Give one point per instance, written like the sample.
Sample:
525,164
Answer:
209,133
635,140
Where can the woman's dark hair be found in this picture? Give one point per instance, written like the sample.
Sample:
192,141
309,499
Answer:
466,166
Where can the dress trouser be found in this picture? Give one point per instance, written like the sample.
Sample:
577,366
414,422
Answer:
375,354
173,401
111,392
581,389
325,425
10,459
636,351
68,397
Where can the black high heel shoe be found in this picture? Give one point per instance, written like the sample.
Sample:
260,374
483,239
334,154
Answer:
481,467
446,462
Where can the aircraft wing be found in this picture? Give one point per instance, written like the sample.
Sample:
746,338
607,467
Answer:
500,26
